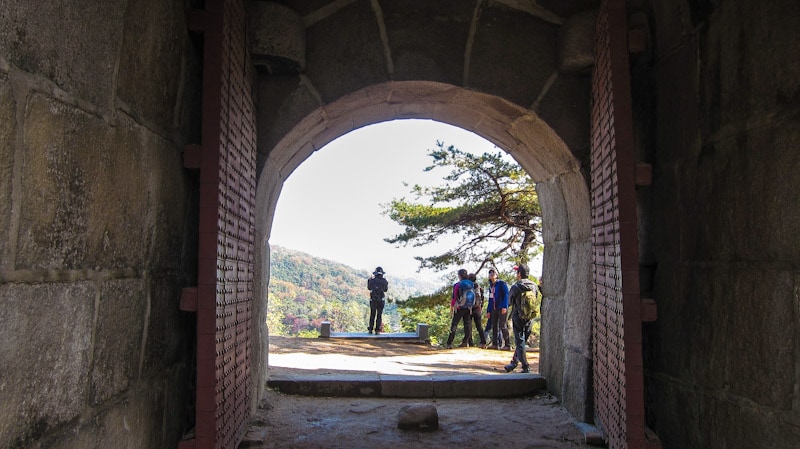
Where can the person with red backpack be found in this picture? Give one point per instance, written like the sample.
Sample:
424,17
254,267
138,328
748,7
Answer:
461,308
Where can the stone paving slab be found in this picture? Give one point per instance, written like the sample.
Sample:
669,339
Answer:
345,385
471,386
395,386
430,386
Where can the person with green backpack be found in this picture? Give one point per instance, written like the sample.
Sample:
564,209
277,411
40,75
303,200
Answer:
524,299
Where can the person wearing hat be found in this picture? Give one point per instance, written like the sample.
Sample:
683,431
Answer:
522,327
377,286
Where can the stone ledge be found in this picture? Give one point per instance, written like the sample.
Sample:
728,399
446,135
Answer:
421,335
341,386
429,386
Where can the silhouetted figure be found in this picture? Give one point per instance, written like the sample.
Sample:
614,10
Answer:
377,286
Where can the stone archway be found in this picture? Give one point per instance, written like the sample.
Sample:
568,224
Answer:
566,327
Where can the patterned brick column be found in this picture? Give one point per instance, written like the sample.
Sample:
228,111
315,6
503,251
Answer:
227,229
616,317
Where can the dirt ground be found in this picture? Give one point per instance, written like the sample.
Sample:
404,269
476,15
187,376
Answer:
324,357
287,421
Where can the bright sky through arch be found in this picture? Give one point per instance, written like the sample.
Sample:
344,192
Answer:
330,206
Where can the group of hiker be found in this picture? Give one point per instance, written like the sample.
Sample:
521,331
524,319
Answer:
523,299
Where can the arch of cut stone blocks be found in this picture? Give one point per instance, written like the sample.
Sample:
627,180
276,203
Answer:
563,193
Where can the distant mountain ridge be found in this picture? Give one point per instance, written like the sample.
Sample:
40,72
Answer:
305,290
304,269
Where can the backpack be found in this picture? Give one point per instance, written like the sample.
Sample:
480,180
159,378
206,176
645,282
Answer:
376,294
478,297
466,294
529,303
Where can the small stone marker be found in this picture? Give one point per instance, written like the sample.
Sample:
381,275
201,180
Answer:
422,332
325,329
422,417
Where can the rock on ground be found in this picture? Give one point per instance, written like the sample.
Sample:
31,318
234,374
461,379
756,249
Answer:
418,417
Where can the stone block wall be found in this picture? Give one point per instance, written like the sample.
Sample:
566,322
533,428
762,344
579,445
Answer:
97,100
723,359
566,357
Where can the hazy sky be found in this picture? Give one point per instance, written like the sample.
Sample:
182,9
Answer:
330,206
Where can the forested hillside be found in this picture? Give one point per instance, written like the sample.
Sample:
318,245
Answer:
305,290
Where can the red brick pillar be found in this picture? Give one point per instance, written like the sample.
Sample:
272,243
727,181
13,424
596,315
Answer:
616,317
227,229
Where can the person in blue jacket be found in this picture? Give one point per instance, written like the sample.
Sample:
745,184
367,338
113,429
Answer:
497,311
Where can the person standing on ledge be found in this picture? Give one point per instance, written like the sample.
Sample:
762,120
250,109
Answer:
377,286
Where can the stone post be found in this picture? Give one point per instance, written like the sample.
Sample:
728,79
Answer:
325,329
422,332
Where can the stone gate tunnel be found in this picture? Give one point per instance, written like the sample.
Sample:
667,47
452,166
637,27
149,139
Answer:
143,146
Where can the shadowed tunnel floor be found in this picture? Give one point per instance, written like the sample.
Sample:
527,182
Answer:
290,421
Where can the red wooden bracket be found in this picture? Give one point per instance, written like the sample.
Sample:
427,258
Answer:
197,20
644,174
649,310
189,299
191,157
637,41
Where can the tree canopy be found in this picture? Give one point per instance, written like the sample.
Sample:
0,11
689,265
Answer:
488,202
